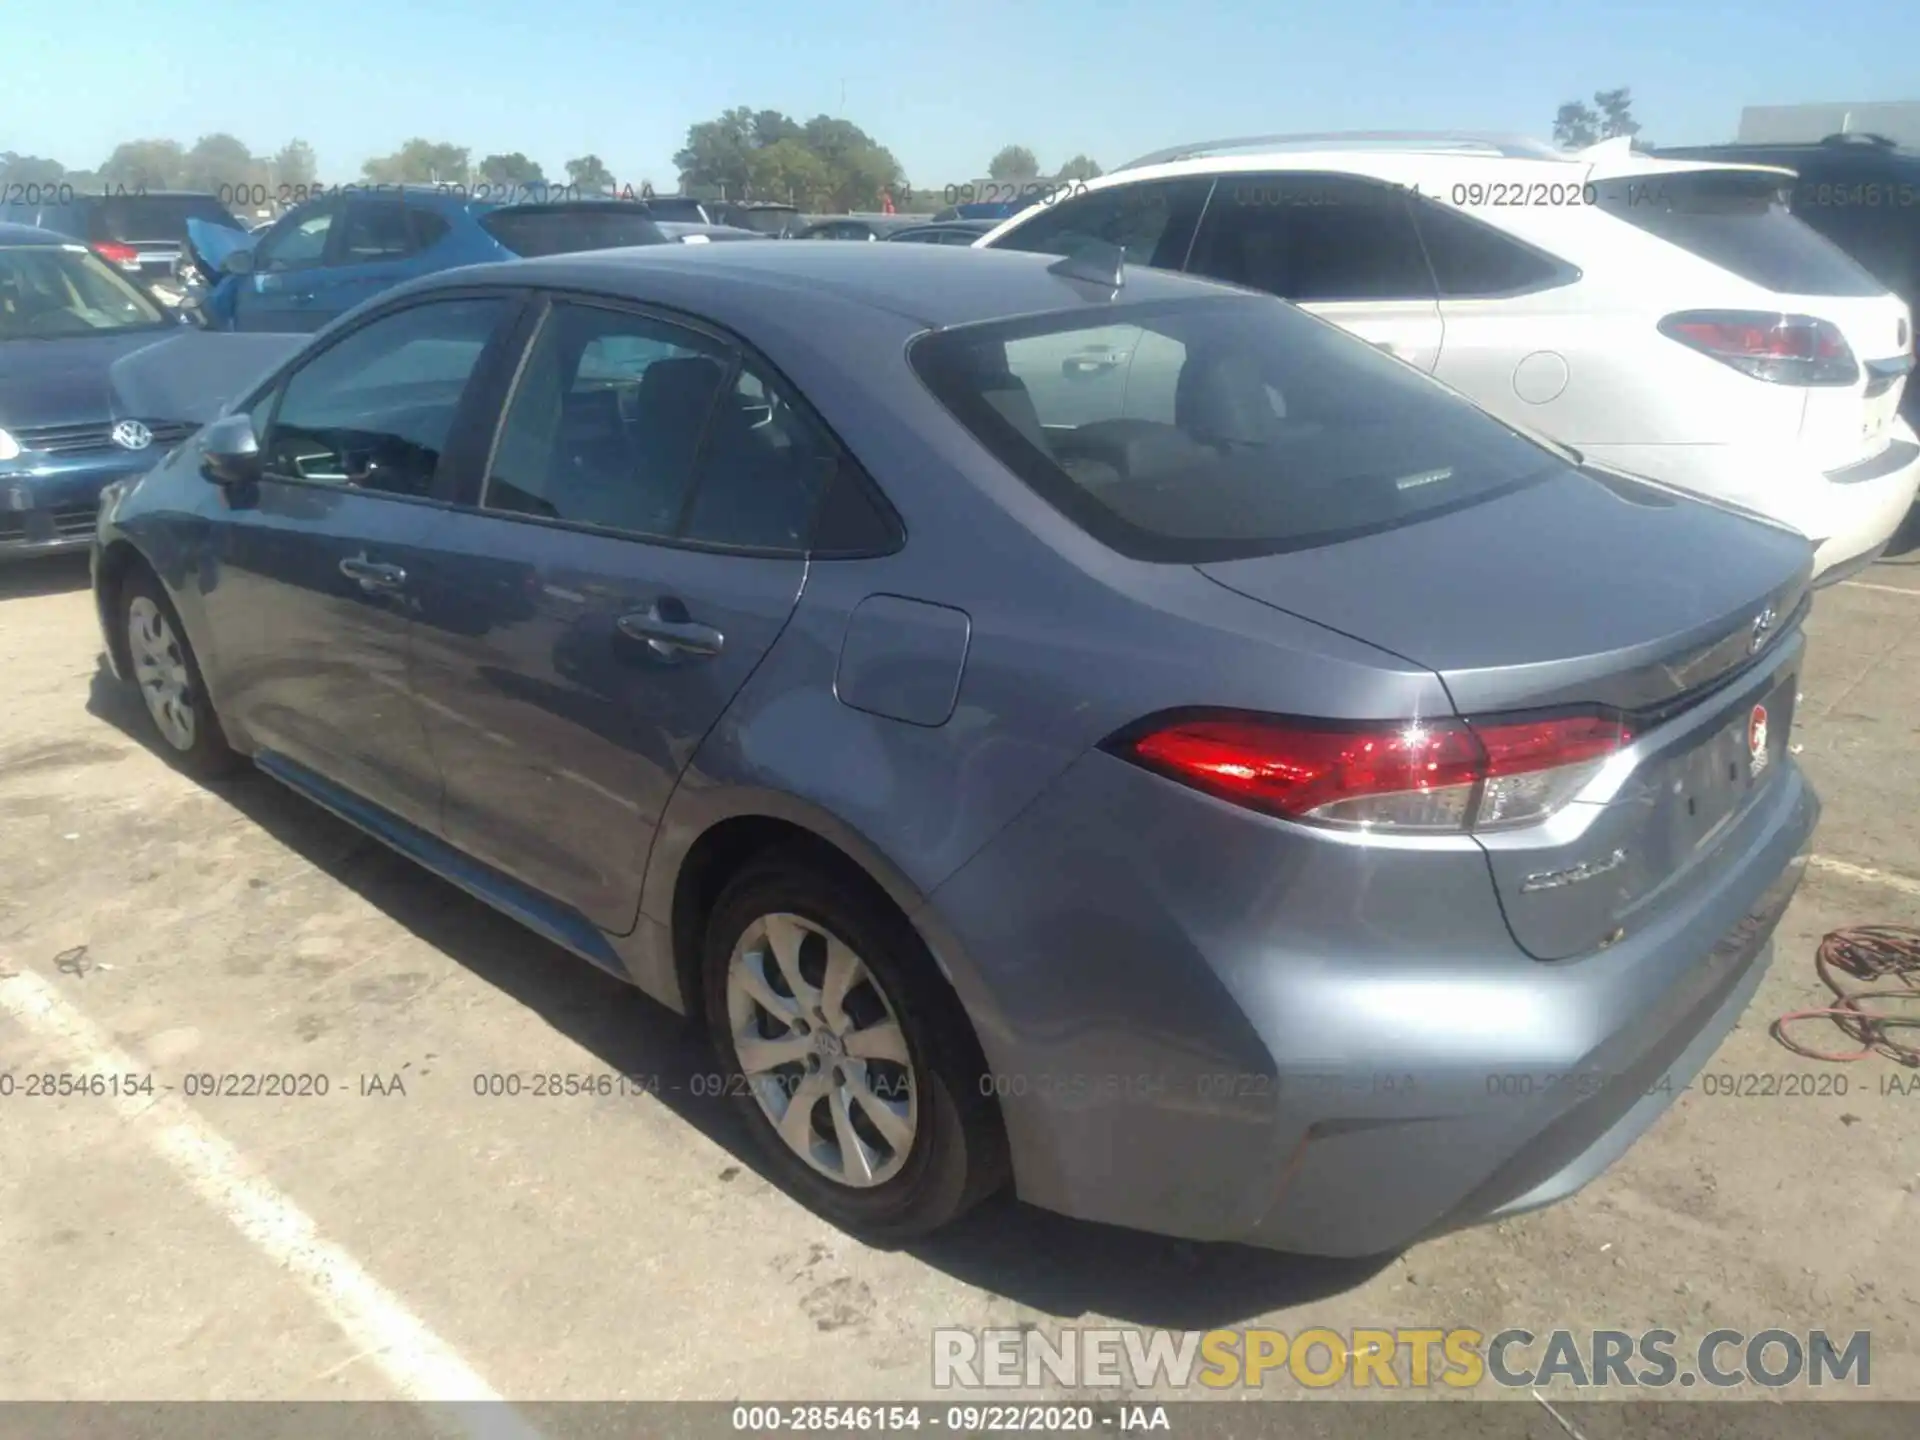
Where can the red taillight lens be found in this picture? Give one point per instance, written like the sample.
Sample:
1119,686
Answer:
114,253
1782,349
1431,776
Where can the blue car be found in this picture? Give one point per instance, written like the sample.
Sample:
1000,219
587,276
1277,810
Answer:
66,318
1239,790
324,257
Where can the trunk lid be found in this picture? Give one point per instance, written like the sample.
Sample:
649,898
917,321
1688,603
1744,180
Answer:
1587,589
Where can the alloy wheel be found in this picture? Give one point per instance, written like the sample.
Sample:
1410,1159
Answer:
822,1050
160,668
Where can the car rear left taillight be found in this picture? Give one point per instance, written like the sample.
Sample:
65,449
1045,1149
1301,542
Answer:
1782,349
1428,776
114,253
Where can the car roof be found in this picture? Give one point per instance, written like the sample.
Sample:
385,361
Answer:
933,285
11,234
1407,163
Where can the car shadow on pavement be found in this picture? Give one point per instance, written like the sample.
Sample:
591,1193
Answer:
1045,1261
44,575
1906,540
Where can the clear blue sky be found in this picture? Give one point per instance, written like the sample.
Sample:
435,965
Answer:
943,84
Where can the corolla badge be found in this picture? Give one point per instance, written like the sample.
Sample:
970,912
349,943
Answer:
1757,738
1762,627
132,435
1573,874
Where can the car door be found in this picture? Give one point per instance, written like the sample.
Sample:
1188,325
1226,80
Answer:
372,250
288,270
1340,246
310,607
634,546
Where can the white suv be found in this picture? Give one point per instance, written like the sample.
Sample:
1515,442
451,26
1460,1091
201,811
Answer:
1665,317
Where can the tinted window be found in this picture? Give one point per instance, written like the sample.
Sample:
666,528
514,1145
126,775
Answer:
1312,237
429,229
1151,222
561,230
767,222
297,244
1284,432
762,472
157,217
374,410
374,230
1738,220
64,219
605,422
1871,213
1471,259
48,291
682,211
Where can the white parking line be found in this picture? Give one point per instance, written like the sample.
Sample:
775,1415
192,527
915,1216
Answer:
422,1366
1883,589
1904,884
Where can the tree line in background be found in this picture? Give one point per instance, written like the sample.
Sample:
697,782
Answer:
824,164
223,164
1578,124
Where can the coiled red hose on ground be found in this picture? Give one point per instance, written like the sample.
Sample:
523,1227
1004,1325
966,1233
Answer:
1876,956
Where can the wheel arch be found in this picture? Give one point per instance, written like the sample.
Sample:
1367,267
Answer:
710,833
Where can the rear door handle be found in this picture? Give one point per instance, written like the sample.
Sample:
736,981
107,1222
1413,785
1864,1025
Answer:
375,579
668,632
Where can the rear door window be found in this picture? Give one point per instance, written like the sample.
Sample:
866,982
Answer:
374,230
1152,222
1244,427
1312,237
1738,220
566,229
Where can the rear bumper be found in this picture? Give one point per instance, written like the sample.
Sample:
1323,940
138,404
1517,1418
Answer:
1206,1024
1849,514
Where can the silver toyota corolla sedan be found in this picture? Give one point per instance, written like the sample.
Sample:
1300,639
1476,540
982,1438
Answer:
1055,723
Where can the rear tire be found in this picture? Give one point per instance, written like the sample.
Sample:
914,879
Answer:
163,668
860,1081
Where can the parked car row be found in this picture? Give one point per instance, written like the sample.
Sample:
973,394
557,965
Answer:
1061,714
1666,316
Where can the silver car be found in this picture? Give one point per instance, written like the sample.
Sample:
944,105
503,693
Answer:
1055,723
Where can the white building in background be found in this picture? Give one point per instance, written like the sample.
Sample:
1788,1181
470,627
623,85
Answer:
1898,120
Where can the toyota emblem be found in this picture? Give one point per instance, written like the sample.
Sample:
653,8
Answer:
1762,627
1757,739
132,435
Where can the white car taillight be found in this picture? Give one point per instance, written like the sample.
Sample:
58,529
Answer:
1783,349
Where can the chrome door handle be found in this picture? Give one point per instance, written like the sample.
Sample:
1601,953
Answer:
668,632
375,579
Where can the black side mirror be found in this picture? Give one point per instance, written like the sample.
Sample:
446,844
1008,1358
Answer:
240,262
230,451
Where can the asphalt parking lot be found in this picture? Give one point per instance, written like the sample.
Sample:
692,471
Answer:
402,1235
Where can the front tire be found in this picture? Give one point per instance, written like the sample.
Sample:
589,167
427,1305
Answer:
846,1053
162,666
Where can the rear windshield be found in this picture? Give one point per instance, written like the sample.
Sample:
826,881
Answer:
562,230
1739,221
677,209
767,222
156,217
1220,428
